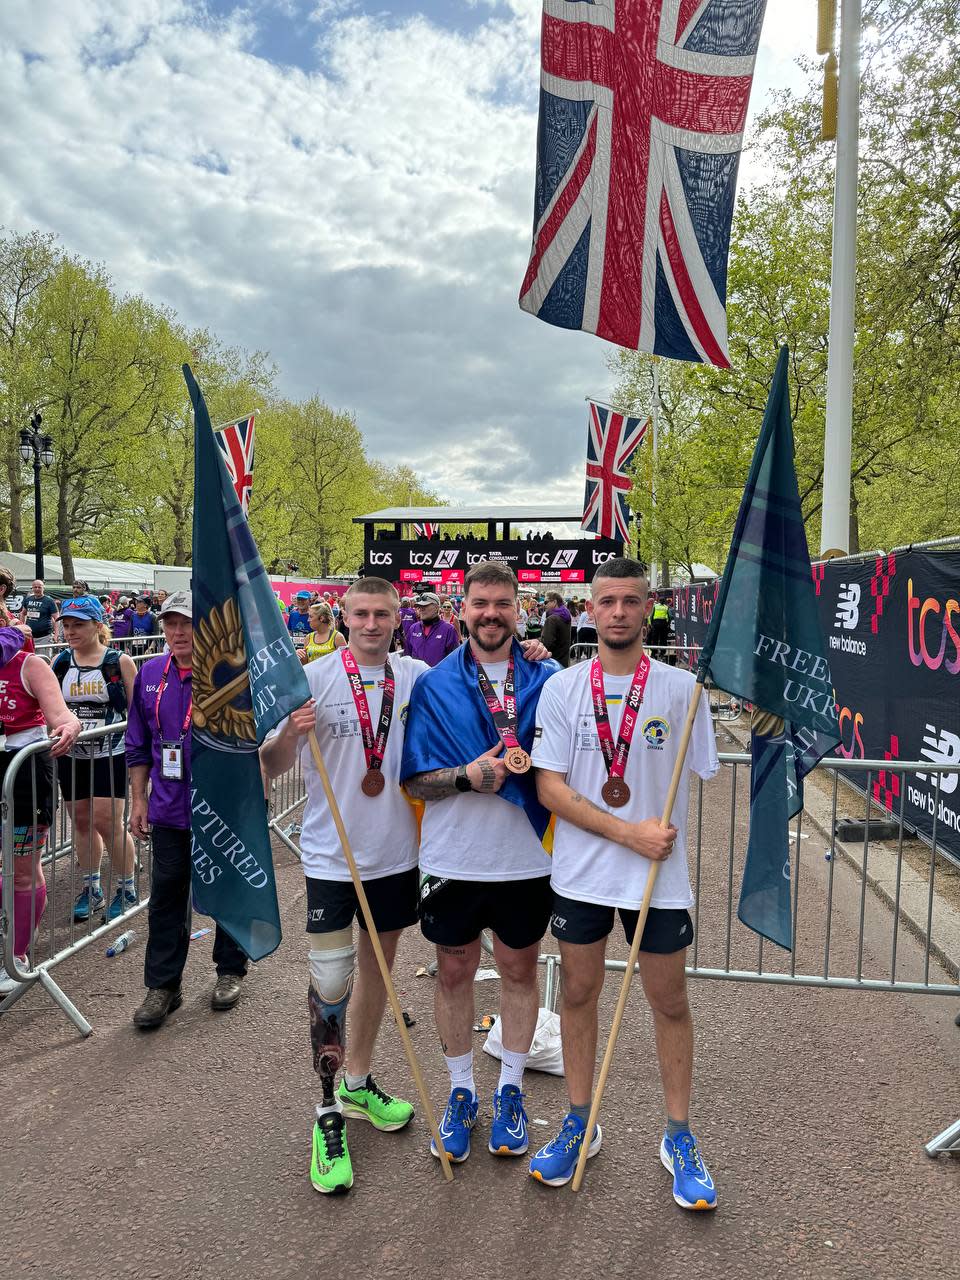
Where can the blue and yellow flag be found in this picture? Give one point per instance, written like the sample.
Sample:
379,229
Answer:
765,645
246,678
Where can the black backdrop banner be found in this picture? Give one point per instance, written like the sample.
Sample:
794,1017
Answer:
892,626
559,560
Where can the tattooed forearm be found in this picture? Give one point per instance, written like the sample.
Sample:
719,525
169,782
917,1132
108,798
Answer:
435,785
576,798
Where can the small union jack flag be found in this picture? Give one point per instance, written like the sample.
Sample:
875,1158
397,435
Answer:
236,444
611,442
642,110
425,530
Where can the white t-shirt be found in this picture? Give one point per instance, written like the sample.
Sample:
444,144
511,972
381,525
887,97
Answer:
382,829
471,836
587,867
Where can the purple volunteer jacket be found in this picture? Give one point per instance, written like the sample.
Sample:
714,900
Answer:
11,642
433,647
169,801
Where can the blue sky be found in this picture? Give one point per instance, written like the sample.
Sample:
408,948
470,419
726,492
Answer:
347,185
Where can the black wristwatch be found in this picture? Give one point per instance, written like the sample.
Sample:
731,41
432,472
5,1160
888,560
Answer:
461,781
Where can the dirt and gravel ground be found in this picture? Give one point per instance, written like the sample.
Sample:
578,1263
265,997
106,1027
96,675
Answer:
185,1152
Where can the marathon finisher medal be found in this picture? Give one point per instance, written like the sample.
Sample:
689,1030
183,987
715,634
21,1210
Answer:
505,717
374,748
517,760
372,783
615,792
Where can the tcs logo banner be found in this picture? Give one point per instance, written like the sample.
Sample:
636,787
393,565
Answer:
933,639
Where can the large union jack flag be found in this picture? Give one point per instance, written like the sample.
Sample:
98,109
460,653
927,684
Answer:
236,444
642,110
612,439
425,530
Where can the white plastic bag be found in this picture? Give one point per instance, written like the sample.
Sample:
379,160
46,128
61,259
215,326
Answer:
546,1053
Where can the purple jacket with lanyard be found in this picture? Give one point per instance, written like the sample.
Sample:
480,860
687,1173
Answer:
430,646
169,799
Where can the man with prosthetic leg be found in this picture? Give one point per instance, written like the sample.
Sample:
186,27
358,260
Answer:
607,740
359,699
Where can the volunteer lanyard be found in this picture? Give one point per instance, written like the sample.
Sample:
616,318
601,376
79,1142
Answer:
163,685
374,748
504,715
615,757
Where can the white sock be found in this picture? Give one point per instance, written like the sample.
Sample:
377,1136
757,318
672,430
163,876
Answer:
461,1072
92,881
322,1111
127,883
354,1083
512,1064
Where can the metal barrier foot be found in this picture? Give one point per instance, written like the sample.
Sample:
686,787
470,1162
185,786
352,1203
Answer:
948,1141
65,1003
11,998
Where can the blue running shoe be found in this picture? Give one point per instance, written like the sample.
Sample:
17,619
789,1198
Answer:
458,1119
554,1164
508,1133
122,901
692,1185
89,903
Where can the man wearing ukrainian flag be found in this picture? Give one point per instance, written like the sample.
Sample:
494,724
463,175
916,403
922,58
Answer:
469,735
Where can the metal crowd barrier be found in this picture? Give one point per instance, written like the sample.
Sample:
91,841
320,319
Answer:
57,936
139,648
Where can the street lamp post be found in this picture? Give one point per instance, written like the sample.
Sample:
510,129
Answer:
37,449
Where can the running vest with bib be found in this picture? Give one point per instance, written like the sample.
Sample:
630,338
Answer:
20,715
96,696
315,648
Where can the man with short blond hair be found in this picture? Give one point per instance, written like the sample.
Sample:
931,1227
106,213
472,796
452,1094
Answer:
358,704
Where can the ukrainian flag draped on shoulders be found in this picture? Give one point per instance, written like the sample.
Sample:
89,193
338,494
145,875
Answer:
448,724
246,678
765,645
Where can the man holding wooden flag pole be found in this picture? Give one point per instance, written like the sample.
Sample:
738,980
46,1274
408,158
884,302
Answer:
249,686
611,752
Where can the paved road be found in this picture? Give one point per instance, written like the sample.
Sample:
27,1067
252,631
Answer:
185,1152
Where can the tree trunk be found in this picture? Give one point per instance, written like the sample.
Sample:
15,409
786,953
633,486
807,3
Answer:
182,540
63,537
16,505
854,522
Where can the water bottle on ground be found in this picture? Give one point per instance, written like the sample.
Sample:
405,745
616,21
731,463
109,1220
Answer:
121,943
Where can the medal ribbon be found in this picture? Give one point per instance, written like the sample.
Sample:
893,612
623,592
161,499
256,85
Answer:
374,748
616,756
504,714
156,710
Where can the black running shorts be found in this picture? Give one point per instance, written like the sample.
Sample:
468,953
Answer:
32,788
457,911
332,904
667,929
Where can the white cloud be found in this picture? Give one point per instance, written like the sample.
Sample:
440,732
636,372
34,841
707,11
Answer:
367,222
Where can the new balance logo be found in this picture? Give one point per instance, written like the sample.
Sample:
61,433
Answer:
848,606
941,748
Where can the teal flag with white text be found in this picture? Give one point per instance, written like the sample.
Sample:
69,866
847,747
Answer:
765,645
246,678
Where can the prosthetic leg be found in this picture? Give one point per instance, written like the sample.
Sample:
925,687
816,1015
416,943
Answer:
332,957
331,983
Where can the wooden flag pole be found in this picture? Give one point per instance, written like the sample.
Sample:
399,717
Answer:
378,952
635,945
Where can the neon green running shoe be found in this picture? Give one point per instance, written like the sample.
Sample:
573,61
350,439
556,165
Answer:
371,1103
330,1169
